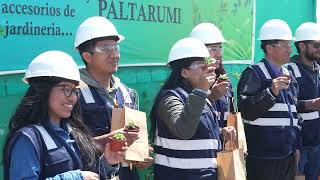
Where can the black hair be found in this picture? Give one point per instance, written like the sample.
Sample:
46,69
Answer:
89,45
296,44
33,110
264,43
174,80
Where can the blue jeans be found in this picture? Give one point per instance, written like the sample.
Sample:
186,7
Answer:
309,163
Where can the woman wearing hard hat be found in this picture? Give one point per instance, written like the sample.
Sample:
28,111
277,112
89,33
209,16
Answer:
47,138
267,97
187,134
222,94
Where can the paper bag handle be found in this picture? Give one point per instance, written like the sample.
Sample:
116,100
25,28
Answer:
136,95
234,103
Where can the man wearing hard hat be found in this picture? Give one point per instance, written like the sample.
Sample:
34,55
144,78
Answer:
306,70
267,95
97,42
221,92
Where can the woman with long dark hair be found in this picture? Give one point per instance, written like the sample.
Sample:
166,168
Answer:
47,138
187,134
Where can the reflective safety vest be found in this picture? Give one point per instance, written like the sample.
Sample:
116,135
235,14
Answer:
194,158
97,110
54,154
97,113
223,108
308,89
275,133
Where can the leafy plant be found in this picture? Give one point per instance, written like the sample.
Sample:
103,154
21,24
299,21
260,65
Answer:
131,124
209,61
223,77
119,136
131,127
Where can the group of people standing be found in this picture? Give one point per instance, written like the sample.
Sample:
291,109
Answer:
61,126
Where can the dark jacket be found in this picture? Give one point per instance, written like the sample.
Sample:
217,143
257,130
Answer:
270,121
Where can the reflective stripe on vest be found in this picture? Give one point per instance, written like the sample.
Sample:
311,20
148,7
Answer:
275,121
88,97
271,122
187,146
196,163
176,144
305,116
50,144
310,115
264,70
86,93
295,69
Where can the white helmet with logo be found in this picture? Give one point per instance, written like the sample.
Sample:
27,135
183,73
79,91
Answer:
95,27
186,48
53,64
275,29
308,31
208,33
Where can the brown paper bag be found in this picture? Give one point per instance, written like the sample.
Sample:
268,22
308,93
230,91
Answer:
235,120
139,150
300,177
231,165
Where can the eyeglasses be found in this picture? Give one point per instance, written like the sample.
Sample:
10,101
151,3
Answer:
215,49
107,49
315,45
68,91
284,45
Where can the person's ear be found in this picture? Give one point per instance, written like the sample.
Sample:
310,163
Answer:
302,47
185,73
269,48
87,56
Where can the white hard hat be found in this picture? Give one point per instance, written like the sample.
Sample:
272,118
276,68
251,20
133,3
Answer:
208,33
53,64
186,48
275,29
95,27
308,31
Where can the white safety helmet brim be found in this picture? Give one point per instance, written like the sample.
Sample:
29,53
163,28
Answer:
208,33
187,48
308,31
275,29
95,27
53,64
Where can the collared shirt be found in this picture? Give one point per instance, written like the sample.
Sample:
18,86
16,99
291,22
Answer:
276,70
24,163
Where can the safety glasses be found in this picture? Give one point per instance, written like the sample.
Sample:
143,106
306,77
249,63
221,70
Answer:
107,49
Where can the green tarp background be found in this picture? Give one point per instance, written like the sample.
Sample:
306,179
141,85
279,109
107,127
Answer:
146,80
151,27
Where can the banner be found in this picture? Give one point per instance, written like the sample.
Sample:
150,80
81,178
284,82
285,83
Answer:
151,27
